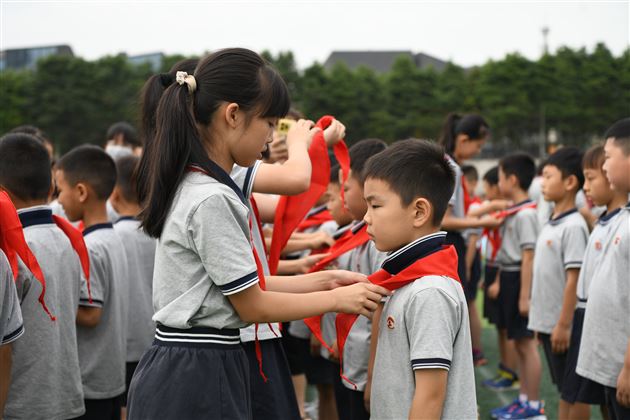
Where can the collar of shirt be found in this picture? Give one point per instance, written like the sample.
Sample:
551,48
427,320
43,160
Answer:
123,218
97,227
36,215
522,203
560,218
407,255
316,210
220,175
607,217
357,226
339,232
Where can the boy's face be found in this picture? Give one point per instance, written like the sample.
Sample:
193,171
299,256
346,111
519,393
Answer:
471,186
335,206
70,197
617,166
554,186
491,191
355,203
390,224
506,184
597,187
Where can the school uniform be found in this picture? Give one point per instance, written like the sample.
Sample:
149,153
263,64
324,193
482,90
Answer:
606,326
577,388
365,259
490,306
271,399
472,284
458,209
103,348
424,325
45,376
196,367
11,324
518,233
139,249
560,247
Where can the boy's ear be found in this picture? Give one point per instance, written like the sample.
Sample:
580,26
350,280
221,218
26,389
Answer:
83,192
570,182
423,212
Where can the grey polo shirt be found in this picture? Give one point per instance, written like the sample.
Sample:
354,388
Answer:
424,325
204,255
560,247
607,317
103,348
11,324
457,199
518,233
140,252
45,375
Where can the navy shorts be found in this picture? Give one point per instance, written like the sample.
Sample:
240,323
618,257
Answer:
490,306
107,409
615,410
472,285
191,374
577,388
296,350
274,399
556,361
509,316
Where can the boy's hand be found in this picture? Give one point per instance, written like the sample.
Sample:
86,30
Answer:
490,222
498,205
523,305
560,337
623,386
321,240
360,298
341,278
309,261
335,132
493,290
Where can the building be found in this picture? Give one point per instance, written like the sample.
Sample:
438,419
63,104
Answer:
381,61
153,59
26,58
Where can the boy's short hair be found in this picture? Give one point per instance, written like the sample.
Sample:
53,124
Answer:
520,165
126,177
25,166
415,168
492,176
128,132
32,130
361,151
334,174
90,165
568,160
594,158
470,172
620,133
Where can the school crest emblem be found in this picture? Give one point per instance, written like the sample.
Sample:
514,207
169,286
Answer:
390,322
598,245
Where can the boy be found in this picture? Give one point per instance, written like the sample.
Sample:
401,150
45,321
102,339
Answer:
515,259
46,382
604,355
423,367
85,179
558,258
140,251
577,389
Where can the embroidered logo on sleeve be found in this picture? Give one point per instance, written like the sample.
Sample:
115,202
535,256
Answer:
390,322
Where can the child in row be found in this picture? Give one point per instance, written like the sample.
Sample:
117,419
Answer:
604,353
423,367
578,391
46,380
85,179
558,257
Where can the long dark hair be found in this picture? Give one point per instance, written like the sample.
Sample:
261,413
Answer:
234,75
473,125
150,96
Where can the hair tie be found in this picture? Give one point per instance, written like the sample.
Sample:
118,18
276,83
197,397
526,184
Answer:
166,79
182,77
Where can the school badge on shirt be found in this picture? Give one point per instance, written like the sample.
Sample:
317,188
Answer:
390,322
598,245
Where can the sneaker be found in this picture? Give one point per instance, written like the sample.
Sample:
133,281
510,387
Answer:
525,412
502,382
513,406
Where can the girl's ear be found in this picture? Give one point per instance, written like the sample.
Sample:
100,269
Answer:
423,212
232,116
461,138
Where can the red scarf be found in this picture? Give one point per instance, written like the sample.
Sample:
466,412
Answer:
291,210
440,263
494,235
78,243
13,243
315,220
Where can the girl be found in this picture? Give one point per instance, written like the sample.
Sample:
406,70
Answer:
205,282
462,138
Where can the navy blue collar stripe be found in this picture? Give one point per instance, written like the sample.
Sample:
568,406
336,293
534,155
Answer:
407,255
36,217
98,226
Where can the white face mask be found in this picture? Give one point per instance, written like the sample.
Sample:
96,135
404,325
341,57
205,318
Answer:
116,151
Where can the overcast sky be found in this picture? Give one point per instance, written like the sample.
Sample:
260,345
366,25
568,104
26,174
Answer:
465,32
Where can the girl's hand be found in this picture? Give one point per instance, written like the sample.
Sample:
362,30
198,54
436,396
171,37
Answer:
360,298
523,305
490,222
321,240
560,337
302,132
341,278
493,290
623,387
309,261
335,132
498,205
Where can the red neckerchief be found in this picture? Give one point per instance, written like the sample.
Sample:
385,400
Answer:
494,235
78,243
440,263
13,243
291,210
315,220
